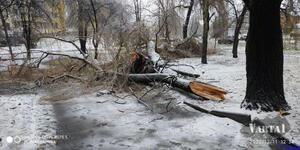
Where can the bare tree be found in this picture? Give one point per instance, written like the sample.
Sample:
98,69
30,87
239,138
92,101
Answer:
168,18
26,7
101,13
31,14
82,24
239,22
222,17
95,25
187,19
137,10
206,18
4,6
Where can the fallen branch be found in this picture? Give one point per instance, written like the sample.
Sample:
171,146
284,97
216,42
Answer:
170,65
66,75
195,87
71,57
245,119
145,70
63,40
186,73
141,101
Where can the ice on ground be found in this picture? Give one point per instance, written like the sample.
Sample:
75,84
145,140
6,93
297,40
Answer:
108,122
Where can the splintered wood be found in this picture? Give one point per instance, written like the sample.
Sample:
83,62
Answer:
142,70
207,91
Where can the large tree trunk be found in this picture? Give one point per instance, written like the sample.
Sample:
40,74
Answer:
137,10
264,57
167,32
28,37
223,18
83,36
95,25
238,27
197,88
187,20
26,20
205,12
6,35
82,26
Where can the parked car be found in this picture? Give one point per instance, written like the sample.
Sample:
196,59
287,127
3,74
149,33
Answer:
227,40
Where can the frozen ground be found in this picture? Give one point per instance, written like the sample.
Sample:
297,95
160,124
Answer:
108,122
49,45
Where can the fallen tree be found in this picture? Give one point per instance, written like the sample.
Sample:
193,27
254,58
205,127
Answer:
183,73
203,90
146,69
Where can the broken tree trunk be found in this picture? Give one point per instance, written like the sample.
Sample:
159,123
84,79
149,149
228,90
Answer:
195,87
187,74
141,64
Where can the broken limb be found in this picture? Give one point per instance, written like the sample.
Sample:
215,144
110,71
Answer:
94,66
186,73
67,41
244,119
170,65
240,118
66,75
195,87
141,101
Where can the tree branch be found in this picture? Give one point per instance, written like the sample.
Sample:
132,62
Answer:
67,41
72,57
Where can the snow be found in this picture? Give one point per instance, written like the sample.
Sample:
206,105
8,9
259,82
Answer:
47,45
108,122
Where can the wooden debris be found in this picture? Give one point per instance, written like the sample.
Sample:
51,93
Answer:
143,70
207,91
200,89
186,73
141,64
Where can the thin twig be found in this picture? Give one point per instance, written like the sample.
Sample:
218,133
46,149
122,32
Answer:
72,57
66,75
140,101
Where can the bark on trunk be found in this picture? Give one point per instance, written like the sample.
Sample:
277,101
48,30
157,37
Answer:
238,27
264,58
205,12
6,35
197,88
83,37
167,32
82,28
95,26
96,52
137,8
27,36
187,20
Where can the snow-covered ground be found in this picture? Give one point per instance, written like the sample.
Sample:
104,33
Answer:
83,120
48,45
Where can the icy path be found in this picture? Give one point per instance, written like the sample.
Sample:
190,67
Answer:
24,121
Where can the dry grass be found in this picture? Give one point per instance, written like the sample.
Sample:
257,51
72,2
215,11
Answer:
182,49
